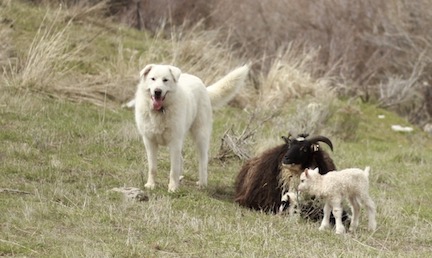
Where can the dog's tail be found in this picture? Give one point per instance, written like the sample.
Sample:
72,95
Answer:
222,91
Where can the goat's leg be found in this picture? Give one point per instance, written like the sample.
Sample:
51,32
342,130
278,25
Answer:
337,213
371,209
325,223
355,209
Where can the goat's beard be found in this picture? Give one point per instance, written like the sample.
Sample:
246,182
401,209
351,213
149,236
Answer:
289,177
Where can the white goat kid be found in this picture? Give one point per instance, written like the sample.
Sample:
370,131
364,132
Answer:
352,183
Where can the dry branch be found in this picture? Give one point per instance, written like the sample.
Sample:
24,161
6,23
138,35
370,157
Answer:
233,145
13,191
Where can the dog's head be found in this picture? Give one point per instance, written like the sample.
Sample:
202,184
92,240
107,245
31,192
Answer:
159,81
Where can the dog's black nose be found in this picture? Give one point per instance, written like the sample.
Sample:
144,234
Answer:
158,93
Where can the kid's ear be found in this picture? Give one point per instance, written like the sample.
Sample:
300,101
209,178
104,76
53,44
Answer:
316,170
175,72
306,171
146,70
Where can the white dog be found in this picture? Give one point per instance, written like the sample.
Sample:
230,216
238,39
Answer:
168,104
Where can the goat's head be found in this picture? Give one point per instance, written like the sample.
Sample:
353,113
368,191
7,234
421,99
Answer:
301,149
289,203
308,176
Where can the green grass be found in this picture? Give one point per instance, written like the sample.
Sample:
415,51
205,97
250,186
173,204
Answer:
68,156
65,157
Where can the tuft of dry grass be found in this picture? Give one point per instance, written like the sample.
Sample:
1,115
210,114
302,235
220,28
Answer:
290,77
196,51
52,62
44,62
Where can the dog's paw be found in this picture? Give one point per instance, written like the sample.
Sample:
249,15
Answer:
201,185
323,227
340,230
150,185
372,226
172,187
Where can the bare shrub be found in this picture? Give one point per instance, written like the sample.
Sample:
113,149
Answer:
290,77
407,96
359,43
357,39
234,144
155,14
397,91
309,118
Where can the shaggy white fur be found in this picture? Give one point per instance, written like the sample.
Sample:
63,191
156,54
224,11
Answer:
169,104
352,183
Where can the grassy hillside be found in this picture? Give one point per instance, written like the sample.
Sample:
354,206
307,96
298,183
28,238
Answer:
59,159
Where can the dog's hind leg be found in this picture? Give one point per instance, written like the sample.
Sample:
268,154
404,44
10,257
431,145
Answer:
151,150
203,161
202,141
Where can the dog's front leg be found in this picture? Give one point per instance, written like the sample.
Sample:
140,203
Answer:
176,165
151,150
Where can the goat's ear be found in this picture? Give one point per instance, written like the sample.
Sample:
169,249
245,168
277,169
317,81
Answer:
316,170
306,171
286,139
146,70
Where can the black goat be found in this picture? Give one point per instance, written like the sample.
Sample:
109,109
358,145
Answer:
306,153
261,181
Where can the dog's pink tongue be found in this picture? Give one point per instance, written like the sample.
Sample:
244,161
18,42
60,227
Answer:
157,103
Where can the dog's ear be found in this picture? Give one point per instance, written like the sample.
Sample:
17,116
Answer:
175,72
146,70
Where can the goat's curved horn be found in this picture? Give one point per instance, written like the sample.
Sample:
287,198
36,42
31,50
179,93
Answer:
320,138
